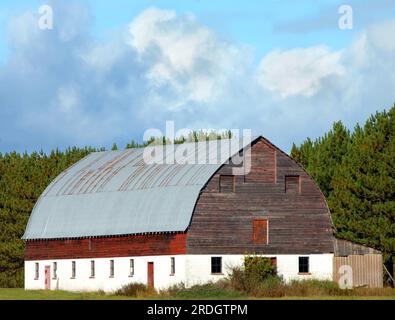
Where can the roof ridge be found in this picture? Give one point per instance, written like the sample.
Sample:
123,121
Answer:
177,144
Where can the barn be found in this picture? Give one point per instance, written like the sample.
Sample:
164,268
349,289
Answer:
112,218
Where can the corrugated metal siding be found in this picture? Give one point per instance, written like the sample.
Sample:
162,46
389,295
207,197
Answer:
367,269
117,193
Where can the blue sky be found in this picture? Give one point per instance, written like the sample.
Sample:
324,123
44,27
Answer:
109,71
251,23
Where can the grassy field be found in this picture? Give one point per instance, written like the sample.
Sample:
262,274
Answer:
21,294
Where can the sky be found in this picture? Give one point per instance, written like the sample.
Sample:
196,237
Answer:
107,72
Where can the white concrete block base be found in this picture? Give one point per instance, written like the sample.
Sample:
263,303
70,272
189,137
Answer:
189,269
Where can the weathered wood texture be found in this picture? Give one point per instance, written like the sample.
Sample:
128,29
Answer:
299,222
126,246
367,270
345,248
260,234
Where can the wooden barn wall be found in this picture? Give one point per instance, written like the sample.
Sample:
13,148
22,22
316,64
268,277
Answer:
367,269
127,246
299,223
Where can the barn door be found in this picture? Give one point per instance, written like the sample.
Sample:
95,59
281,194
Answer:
47,278
150,274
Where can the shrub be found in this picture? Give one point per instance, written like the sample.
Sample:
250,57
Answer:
209,290
313,287
250,283
257,272
136,290
259,267
272,286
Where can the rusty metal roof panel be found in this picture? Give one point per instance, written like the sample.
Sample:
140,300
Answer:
118,193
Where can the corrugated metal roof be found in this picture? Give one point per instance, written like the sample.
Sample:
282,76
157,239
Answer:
118,193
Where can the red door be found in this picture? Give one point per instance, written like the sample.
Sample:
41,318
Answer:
150,274
47,278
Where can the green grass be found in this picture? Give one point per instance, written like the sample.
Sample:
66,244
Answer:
21,294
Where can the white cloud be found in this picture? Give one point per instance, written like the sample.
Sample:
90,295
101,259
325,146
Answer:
59,89
184,55
299,71
67,98
25,26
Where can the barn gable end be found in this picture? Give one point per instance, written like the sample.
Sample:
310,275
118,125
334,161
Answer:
298,222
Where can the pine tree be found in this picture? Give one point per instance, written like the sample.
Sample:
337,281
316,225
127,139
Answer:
322,157
356,172
303,154
363,198
327,156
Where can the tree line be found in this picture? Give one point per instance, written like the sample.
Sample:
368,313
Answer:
356,172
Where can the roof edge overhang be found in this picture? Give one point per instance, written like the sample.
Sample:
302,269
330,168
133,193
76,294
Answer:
107,236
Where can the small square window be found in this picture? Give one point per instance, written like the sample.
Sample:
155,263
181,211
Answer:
216,265
304,265
226,184
292,184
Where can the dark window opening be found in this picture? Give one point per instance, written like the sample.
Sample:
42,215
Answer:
92,268
227,184
131,272
55,270
216,265
36,271
304,265
111,268
172,266
73,270
292,184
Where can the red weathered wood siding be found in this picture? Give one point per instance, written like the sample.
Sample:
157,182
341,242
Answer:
299,222
263,161
127,246
292,184
260,228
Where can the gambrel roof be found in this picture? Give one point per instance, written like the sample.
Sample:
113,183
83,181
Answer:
118,193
